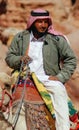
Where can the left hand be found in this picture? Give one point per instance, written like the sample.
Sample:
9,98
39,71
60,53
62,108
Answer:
25,59
53,78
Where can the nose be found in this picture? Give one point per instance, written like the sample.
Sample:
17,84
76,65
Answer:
43,24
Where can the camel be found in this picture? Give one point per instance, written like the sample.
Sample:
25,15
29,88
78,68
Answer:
29,105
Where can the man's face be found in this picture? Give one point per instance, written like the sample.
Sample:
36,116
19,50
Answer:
41,25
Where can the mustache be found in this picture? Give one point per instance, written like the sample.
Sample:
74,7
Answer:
34,30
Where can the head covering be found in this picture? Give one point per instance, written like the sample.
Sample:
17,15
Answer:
42,14
38,14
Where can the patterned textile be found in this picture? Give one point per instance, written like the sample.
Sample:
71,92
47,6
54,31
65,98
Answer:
44,94
47,99
73,113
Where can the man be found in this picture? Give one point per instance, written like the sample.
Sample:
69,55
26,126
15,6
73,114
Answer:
45,49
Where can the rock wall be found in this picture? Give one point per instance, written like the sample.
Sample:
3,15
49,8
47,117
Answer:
15,13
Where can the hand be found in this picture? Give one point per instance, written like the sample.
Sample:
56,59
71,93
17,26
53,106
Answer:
53,78
26,59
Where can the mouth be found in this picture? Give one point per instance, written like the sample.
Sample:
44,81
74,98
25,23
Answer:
43,29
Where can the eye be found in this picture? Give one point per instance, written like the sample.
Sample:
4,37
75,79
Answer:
46,21
40,21
7,86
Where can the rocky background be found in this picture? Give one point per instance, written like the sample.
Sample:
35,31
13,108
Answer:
14,15
65,17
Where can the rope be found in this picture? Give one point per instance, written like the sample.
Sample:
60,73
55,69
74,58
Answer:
22,96
16,84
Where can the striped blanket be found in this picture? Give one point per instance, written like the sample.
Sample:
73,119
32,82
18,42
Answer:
73,114
47,99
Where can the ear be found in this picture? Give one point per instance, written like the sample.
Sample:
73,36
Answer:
5,78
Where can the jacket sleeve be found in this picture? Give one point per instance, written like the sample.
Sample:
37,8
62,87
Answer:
13,56
68,58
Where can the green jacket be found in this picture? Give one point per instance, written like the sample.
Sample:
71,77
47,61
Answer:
55,49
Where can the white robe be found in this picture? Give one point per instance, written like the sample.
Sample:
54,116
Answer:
56,89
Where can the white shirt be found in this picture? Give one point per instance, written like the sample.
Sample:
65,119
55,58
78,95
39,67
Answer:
35,52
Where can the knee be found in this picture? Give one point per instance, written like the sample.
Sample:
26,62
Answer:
60,88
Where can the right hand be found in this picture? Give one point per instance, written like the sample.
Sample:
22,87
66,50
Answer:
25,59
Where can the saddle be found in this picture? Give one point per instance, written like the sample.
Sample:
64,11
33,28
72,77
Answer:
37,114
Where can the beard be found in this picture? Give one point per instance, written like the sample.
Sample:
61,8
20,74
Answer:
35,31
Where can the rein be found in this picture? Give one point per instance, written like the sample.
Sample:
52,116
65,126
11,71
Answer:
16,84
22,95
3,94
5,108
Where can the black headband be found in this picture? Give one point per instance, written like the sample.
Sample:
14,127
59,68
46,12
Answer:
39,13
